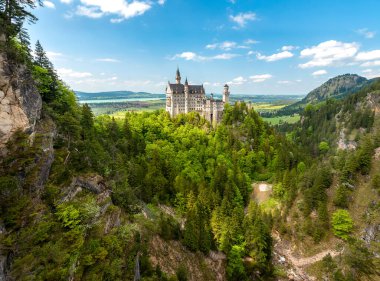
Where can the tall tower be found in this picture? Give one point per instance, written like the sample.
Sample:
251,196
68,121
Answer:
178,76
186,96
226,94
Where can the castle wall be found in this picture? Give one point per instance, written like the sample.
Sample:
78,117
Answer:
184,98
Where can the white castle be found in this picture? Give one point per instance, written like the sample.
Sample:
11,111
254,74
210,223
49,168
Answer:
184,98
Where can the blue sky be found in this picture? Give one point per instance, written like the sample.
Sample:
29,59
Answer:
256,46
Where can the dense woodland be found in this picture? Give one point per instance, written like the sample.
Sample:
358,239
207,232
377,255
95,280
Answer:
203,172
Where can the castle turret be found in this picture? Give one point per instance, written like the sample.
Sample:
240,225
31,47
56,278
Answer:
178,76
186,88
226,94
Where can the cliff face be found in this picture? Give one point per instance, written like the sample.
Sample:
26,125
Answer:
20,103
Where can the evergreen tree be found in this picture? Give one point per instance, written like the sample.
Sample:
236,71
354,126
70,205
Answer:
13,14
235,267
41,58
365,156
87,122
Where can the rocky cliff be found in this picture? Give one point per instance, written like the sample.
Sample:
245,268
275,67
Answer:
20,103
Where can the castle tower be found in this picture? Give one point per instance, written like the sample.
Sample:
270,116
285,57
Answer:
186,96
226,94
178,76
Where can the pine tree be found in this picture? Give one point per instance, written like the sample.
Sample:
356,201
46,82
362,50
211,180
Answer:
41,58
13,14
87,121
365,156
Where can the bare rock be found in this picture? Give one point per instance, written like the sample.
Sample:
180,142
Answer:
20,102
93,183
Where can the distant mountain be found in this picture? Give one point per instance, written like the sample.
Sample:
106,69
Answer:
337,87
115,95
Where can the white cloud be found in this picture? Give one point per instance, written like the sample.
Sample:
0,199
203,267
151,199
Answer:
91,12
66,1
107,60
275,57
225,56
69,73
366,33
161,2
53,55
212,46
160,84
251,42
226,46
328,53
371,55
319,72
288,48
195,57
284,82
371,63
121,8
251,53
187,56
237,81
369,73
260,78
48,4
243,18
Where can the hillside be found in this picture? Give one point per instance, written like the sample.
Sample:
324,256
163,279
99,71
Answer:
86,198
336,88
343,139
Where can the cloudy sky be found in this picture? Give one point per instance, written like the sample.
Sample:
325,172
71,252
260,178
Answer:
256,46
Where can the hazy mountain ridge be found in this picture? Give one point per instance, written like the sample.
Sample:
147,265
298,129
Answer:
116,95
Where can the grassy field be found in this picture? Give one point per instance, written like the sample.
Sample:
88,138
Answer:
282,119
267,107
117,109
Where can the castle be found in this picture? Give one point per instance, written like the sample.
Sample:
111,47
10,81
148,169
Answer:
184,98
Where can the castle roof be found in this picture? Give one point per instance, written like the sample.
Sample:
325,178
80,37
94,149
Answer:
180,88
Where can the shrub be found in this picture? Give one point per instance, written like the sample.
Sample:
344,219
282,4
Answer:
341,197
342,224
323,147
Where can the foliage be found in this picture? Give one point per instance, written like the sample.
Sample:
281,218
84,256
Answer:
235,267
323,147
342,224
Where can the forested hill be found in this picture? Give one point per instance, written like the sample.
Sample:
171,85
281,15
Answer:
150,197
340,191
340,122
336,88
83,198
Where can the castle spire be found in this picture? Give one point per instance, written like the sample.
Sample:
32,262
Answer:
186,83
178,76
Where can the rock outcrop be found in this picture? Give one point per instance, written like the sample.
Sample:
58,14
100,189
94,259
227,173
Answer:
93,183
20,102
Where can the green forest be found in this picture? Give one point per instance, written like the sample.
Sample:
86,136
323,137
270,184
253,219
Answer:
204,173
